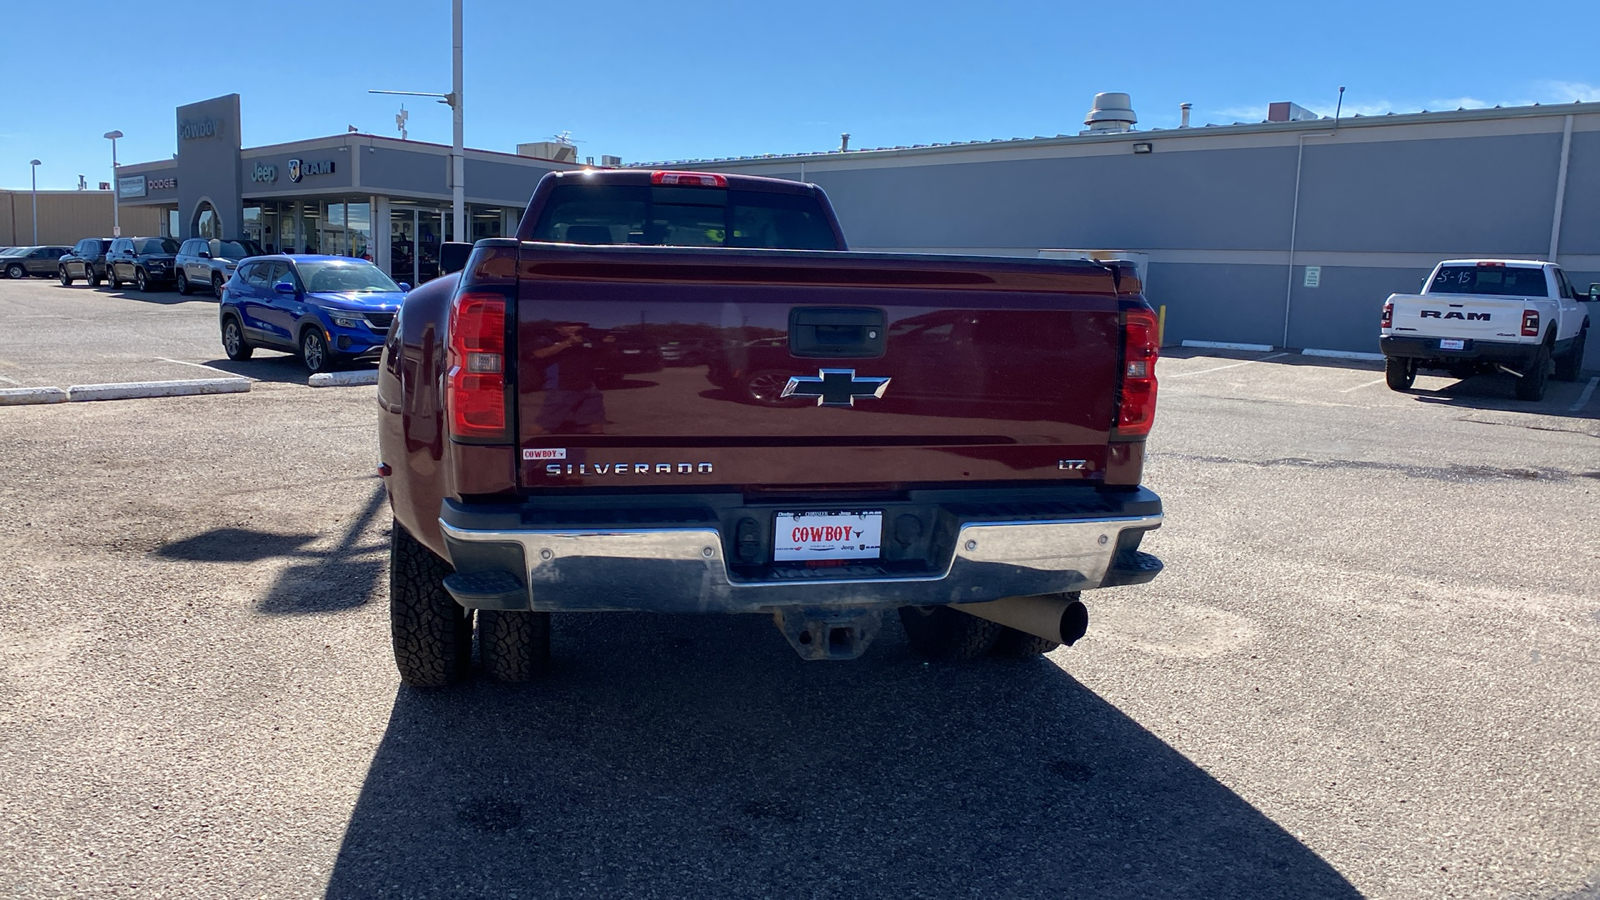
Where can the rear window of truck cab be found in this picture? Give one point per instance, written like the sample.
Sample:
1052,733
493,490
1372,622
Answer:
1503,281
684,217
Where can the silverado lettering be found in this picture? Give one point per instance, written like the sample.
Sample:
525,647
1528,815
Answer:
637,315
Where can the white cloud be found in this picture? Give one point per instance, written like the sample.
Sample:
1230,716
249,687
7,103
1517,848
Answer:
1572,91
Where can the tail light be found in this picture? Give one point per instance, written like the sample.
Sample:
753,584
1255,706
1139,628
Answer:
1388,316
1530,323
476,391
690,179
1136,407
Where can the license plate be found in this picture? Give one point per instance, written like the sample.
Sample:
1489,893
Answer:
827,535
1452,344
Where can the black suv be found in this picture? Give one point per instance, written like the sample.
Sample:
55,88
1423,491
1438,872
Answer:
86,260
145,261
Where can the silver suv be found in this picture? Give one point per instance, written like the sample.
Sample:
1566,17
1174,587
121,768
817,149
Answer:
210,263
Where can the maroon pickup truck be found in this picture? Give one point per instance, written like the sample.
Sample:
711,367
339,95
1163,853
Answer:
957,438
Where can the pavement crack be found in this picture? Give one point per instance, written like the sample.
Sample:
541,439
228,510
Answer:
1452,473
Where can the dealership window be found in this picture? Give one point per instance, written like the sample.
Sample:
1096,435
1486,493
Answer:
207,223
486,222
174,223
348,230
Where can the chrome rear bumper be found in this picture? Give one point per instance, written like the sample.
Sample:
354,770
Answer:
684,569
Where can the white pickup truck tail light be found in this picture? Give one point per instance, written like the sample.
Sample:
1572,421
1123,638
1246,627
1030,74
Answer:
1388,316
1530,323
690,179
476,384
1141,346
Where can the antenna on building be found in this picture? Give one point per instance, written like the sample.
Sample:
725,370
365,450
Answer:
400,120
1338,108
565,139
83,182
351,129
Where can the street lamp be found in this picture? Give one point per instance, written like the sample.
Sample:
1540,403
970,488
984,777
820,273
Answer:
458,164
116,222
34,163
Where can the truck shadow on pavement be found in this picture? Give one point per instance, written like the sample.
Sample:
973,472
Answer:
316,581
697,756
1499,392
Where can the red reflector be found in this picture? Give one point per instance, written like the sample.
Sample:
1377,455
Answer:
1493,265
1388,316
690,179
1530,323
476,393
1136,406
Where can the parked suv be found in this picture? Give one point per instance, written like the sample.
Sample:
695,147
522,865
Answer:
145,261
326,308
86,260
210,263
20,262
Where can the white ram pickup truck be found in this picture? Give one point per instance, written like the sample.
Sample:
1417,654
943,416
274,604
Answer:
1474,315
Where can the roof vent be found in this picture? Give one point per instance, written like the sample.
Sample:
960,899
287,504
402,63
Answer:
1112,114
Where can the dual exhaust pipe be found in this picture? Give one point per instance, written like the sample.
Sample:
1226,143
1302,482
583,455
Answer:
1055,617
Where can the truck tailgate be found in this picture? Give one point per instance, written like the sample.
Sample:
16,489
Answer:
1457,316
666,367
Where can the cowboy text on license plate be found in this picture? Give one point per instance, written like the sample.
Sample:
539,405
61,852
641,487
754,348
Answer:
827,535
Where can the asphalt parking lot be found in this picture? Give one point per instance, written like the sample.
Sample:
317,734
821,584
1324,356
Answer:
1369,669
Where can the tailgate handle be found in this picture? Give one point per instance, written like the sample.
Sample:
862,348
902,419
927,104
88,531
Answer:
824,332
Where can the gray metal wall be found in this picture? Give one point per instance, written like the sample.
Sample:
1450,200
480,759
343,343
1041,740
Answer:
1379,203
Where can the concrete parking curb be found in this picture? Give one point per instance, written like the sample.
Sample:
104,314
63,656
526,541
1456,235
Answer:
27,396
137,390
1225,345
340,379
1343,354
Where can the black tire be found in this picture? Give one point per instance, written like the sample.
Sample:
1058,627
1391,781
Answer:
182,284
947,635
216,285
1400,373
15,270
66,279
314,351
1569,364
90,276
432,633
1535,376
111,277
514,646
233,342
141,282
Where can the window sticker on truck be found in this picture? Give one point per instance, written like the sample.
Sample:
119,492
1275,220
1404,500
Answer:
529,454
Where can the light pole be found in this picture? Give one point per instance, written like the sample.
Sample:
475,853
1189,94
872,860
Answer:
458,160
116,189
34,164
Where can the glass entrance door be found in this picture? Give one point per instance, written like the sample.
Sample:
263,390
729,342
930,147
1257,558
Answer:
430,232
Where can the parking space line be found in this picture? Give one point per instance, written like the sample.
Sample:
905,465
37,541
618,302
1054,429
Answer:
1220,368
1583,398
1362,385
196,365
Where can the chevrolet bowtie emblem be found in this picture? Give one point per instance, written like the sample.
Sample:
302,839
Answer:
835,387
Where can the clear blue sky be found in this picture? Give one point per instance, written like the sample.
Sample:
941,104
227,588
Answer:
695,79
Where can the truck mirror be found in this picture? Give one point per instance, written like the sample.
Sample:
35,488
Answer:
453,256
1594,292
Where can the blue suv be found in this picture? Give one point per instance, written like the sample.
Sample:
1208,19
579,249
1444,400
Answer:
328,309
